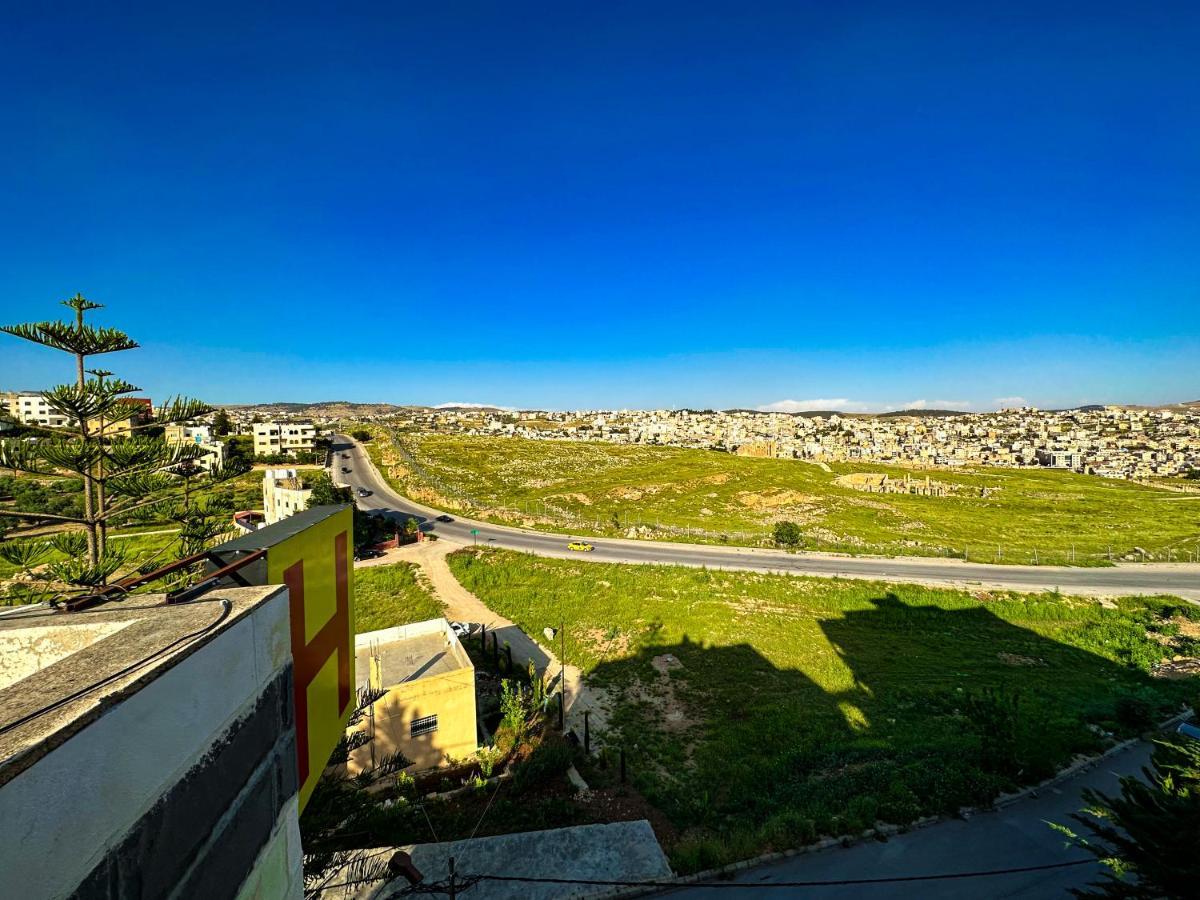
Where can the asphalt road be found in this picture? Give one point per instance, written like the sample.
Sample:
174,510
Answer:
1179,579
1014,837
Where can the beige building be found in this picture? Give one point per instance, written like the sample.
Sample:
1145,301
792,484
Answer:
428,710
284,494
283,437
201,435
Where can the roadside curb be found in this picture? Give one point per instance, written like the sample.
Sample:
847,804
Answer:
724,873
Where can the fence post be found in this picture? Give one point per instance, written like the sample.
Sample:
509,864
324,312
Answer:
495,651
562,709
483,633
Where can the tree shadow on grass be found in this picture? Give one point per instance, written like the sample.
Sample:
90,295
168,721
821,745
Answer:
921,709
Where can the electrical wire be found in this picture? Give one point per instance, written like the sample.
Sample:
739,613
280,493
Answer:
226,609
442,887
41,611
896,879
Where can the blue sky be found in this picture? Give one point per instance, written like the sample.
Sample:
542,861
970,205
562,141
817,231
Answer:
622,204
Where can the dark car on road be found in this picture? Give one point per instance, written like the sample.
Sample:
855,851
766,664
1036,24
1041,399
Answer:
345,469
363,492
444,518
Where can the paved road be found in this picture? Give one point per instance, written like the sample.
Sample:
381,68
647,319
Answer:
1180,579
1010,838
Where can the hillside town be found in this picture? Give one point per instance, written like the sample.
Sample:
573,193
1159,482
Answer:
1108,441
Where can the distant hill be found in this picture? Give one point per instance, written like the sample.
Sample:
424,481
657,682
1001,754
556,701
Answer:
330,408
922,413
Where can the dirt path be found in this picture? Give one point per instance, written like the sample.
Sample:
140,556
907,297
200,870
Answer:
463,606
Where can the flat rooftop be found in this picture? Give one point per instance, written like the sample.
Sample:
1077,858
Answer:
60,670
409,652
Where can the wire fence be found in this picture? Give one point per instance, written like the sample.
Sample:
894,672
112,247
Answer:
629,524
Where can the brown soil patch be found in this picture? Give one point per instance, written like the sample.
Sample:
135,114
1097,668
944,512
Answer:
1188,628
625,804
1180,667
626,493
577,497
615,646
665,663
764,500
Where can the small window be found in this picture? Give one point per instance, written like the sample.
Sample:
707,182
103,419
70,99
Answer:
423,725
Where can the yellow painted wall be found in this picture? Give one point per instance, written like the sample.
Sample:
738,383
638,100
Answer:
314,548
451,696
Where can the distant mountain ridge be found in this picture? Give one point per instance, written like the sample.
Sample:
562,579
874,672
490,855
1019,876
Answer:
349,408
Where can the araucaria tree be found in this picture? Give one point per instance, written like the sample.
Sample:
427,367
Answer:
1147,837
126,473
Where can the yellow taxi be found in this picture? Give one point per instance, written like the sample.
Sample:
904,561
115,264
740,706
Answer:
582,546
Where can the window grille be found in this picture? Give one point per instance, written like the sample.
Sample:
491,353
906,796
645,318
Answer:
423,725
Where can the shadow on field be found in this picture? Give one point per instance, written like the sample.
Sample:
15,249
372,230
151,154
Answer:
909,710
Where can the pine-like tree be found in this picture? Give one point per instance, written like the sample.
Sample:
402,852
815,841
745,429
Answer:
125,472
1147,837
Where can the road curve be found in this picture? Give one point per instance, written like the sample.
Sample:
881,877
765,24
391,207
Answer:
1179,579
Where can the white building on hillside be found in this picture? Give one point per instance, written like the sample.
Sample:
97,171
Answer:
283,437
284,494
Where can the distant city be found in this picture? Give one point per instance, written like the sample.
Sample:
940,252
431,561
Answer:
1106,441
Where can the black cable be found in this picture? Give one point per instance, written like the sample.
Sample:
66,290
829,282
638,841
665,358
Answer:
441,887
226,609
941,876
40,612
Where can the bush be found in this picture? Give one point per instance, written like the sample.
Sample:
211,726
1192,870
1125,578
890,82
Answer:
550,758
787,534
1135,713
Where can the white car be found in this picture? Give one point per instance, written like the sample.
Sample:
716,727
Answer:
461,629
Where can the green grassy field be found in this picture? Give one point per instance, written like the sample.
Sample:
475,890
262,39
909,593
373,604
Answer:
989,515
759,711
396,594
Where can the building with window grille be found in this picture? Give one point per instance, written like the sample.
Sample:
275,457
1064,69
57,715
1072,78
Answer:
427,711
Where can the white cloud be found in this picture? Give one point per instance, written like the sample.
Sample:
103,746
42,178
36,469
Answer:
1009,402
838,403
465,405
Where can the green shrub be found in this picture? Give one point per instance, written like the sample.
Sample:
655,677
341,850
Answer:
1135,713
787,534
550,758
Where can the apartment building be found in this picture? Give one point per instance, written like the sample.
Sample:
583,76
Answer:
32,409
283,437
201,436
284,494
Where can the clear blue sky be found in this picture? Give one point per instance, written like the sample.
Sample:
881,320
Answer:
612,204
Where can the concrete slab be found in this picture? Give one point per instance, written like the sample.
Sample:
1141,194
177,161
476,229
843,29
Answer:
619,851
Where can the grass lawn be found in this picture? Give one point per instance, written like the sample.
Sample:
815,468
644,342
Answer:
760,711
396,594
991,515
